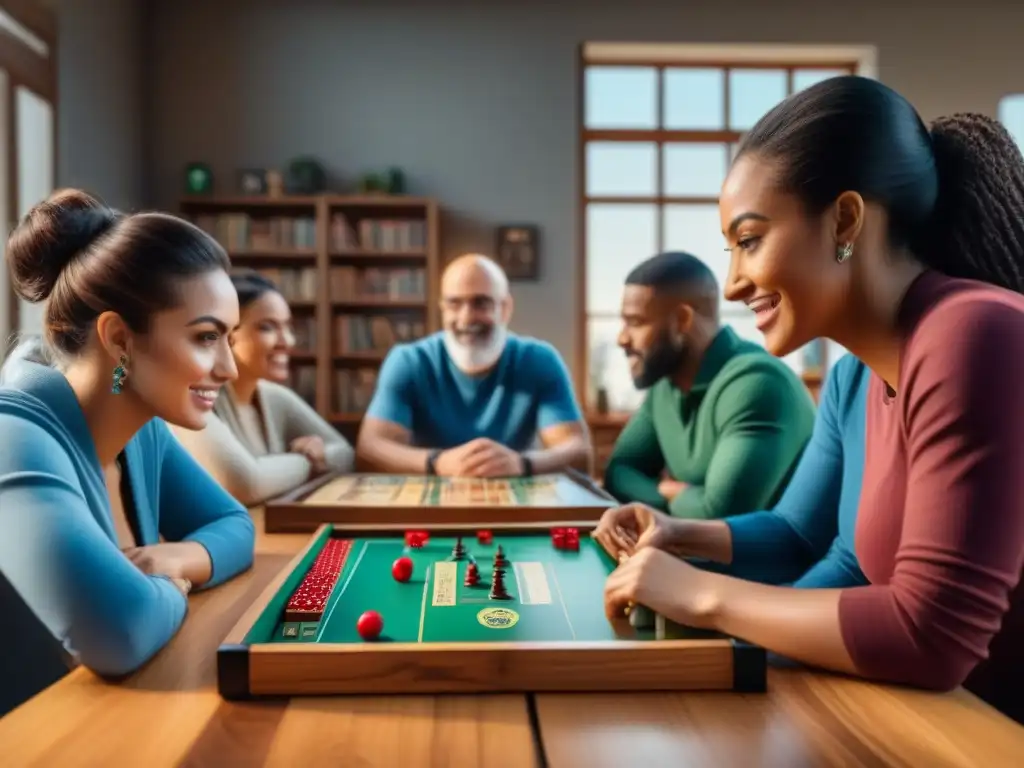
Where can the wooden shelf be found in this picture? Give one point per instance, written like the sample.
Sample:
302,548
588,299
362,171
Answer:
377,255
304,254
379,303
339,260
242,202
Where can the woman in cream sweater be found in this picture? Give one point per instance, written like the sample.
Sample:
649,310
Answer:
263,439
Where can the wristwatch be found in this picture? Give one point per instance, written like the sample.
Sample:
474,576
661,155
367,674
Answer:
432,461
527,465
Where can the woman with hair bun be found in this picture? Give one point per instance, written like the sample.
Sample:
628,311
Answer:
849,219
263,439
106,522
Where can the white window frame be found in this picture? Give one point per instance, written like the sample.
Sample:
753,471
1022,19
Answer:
863,59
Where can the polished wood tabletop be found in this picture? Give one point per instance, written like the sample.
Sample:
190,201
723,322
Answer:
169,714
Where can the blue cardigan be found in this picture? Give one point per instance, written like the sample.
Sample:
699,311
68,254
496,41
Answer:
807,540
58,546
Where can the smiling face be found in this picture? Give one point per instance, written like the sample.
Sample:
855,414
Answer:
650,337
475,312
264,339
783,260
178,367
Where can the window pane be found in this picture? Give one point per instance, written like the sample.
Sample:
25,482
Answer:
694,99
618,238
608,367
805,78
1011,115
697,229
622,168
621,97
695,170
752,92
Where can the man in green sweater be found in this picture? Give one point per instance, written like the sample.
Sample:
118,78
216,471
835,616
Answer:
724,423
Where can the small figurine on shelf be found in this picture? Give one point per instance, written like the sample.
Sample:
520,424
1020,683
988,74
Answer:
371,184
198,179
306,176
275,184
391,182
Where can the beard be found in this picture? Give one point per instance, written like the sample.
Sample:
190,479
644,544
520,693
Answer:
476,347
663,359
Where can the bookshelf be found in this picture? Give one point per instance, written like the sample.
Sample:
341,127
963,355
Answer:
359,272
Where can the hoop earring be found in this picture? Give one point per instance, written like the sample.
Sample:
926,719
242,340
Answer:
120,372
844,252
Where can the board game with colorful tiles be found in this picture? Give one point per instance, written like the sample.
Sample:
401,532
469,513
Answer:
416,500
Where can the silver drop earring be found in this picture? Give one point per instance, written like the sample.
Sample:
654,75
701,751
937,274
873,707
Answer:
844,252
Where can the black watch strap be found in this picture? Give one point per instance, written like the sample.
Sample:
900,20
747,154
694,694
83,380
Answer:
527,465
432,461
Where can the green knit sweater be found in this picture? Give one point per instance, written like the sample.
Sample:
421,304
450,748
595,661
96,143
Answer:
734,438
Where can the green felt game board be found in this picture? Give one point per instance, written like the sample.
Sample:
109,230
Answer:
440,635
555,595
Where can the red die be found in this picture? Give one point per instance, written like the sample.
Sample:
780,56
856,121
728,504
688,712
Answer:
572,539
484,537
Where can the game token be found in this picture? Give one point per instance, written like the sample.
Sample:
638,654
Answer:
370,625
402,569
484,537
572,540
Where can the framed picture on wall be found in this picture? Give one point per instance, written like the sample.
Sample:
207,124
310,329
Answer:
516,251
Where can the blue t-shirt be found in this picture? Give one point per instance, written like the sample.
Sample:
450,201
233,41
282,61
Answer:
422,390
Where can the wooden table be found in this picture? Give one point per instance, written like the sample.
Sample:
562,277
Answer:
169,714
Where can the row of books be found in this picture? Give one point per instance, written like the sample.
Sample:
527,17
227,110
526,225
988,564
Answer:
304,327
295,284
374,333
303,381
349,283
242,232
353,389
377,234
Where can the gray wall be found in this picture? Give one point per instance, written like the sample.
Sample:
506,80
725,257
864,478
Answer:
478,103
100,120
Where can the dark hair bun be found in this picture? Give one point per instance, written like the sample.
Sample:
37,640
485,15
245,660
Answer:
51,236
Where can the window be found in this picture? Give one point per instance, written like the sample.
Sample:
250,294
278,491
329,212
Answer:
1011,114
659,129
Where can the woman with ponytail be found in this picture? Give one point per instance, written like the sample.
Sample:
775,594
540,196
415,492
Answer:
848,219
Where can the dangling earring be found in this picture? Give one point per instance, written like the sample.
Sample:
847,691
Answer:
119,374
844,252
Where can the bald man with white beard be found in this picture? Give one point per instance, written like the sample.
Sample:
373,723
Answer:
474,399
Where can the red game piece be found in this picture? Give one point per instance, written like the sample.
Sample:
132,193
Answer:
370,625
572,539
558,537
402,569
484,537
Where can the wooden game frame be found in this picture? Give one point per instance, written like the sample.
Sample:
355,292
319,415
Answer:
260,670
289,514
